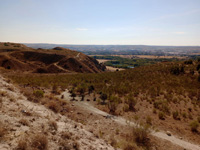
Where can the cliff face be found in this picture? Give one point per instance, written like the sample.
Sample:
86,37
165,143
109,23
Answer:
58,60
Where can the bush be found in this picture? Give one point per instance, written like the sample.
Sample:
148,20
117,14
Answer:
38,93
130,147
198,119
54,106
113,103
176,70
131,101
39,141
188,62
103,96
184,115
194,126
161,115
141,135
22,144
149,120
53,125
176,115
198,67
2,130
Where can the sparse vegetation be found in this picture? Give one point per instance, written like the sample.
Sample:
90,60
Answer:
159,88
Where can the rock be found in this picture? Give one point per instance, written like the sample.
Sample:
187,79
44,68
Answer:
168,133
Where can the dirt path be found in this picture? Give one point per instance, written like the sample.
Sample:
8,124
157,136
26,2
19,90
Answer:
161,134
61,68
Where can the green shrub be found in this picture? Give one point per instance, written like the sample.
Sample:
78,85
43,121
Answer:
194,126
161,115
176,115
38,93
131,101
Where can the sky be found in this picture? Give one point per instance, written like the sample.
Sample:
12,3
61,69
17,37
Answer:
107,22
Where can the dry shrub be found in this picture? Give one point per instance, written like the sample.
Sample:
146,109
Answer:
141,136
53,125
24,122
194,126
113,141
130,147
22,144
64,145
3,93
54,106
76,145
161,115
39,142
1,102
66,135
149,120
3,130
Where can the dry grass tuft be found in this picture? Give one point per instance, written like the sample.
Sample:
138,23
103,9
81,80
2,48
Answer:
53,125
54,106
22,144
66,135
39,142
3,130
64,145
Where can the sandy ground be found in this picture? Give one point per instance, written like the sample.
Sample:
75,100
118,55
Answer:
15,108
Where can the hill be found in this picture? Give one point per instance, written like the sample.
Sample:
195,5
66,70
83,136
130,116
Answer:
164,97
18,57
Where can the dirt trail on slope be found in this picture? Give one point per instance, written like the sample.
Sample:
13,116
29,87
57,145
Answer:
15,107
161,134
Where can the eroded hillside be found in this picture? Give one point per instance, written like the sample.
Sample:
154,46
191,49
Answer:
18,57
25,125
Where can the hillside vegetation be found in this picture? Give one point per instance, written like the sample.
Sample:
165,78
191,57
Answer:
161,85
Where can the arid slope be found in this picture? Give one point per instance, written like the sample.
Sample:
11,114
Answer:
18,57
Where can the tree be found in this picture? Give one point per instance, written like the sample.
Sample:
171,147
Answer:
73,94
81,89
90,89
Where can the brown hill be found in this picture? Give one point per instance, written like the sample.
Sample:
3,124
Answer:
18,57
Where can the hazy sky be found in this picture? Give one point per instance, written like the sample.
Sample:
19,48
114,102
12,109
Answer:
147,22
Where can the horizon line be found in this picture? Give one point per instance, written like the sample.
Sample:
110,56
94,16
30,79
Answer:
108,44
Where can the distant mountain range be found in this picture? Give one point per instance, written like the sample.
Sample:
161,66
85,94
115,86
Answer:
123,49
